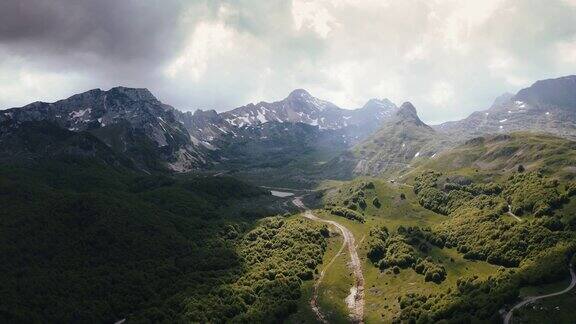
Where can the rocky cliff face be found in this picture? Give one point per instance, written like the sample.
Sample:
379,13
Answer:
546,106
299,107
131,121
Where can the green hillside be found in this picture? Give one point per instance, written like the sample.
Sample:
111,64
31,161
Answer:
461,233
500,154
398,142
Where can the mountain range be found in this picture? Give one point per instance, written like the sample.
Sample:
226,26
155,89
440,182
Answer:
136,124
376,138
546,106
298,107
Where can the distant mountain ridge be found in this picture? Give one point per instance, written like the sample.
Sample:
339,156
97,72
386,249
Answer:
299,107
546,106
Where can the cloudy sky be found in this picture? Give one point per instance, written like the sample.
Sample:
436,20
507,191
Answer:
448,57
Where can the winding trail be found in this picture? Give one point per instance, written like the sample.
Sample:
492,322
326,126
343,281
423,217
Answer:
508,316
288,189
355,300
512,214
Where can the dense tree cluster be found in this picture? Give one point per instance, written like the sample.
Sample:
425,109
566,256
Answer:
453,194
277,256
476,299
539,248
475,226
479,232
376,202
431,271
403,250
570,189
472,299
347,213
84,242
354,196
532,193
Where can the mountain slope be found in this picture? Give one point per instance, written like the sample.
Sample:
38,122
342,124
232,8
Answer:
546,106
131,121
33,142
489,228
506,152
400,140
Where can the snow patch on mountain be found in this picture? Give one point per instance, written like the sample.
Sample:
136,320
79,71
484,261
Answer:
79,113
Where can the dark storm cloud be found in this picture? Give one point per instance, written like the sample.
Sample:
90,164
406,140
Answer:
115,29
86,44
448,57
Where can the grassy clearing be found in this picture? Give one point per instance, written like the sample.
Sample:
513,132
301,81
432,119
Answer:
333,288
384,288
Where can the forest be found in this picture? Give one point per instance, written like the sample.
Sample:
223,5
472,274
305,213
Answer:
532,250
81,241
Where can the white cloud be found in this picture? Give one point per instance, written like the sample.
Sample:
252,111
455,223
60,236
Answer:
441,94
208,41
314,15
504,65
416,53
567,51
19,82
448,57
454,22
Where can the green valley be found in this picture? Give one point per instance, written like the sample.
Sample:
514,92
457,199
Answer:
293,211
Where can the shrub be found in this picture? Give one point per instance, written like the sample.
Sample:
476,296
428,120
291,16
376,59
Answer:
347,213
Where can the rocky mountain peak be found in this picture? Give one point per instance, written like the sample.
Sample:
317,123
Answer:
299,94
409,107
502,99
407,114
407,110
134,94
559,92
205,113
375,104
123,118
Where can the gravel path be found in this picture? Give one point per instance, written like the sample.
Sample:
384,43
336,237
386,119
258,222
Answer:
355,300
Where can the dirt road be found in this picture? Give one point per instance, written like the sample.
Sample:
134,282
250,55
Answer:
355,300
508,316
